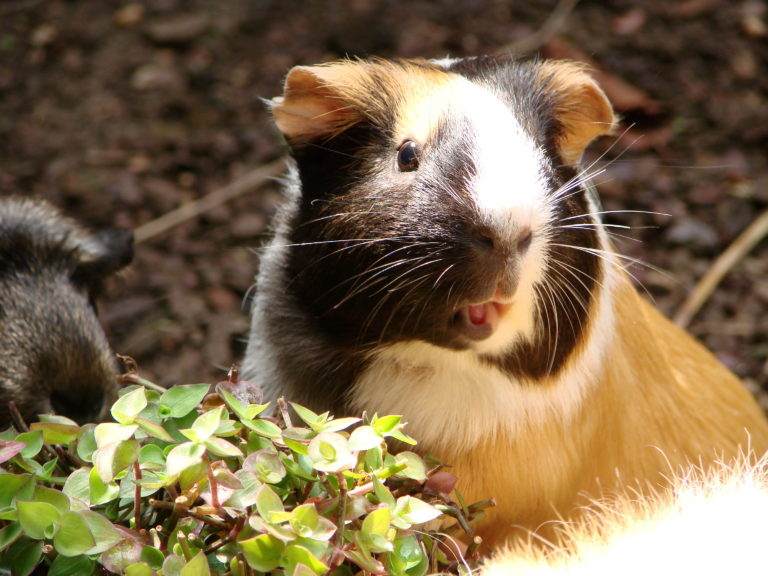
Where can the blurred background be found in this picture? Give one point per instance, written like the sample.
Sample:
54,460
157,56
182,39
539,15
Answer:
121,112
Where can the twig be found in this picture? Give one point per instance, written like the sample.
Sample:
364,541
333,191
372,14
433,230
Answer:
550,27
245,183
739,248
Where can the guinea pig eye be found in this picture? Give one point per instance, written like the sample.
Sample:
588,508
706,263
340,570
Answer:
408,156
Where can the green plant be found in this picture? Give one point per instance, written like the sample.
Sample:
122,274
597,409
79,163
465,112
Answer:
186,482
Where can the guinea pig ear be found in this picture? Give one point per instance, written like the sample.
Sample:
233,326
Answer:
581,108
313,105
104,252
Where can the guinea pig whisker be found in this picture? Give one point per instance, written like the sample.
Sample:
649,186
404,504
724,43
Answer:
574,185
569,295
552,337
603,212
442,275
334,151
375,274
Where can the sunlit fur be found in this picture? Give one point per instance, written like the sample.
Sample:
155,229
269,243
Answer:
583,387
711,522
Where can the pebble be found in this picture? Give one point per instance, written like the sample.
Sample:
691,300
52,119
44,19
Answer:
693,233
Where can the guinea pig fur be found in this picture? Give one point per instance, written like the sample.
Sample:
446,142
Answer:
710,523
54,355
440,255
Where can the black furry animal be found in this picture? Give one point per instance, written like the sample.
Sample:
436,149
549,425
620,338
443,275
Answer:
54,356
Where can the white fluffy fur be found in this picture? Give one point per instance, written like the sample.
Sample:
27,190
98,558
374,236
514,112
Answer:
711,524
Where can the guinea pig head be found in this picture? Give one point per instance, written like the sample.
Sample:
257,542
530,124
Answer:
442,201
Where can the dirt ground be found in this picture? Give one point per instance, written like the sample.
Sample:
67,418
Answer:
121,112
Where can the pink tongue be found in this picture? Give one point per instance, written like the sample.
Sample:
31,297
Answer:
478,314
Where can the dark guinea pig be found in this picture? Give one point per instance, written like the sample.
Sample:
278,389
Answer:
54,355
440,255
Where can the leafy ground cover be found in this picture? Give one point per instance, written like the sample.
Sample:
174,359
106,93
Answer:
194,481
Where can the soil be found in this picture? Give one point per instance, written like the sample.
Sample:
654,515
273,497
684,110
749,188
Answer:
121,112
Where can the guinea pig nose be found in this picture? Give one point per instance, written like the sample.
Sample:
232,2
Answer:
82,407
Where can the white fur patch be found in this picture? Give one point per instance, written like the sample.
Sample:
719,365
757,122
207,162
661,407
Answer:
709,526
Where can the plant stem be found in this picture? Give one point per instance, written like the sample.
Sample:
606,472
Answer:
339,539
137,496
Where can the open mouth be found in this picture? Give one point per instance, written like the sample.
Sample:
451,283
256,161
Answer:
479,321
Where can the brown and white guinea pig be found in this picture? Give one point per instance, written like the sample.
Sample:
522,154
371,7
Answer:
440,255
54,356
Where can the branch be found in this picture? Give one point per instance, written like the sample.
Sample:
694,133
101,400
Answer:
739,248
246,183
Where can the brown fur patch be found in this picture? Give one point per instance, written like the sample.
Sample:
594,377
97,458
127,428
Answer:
320,102
583,109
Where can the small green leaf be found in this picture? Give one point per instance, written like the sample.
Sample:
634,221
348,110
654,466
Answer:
139,569
152,454
338,424
416,469
263,553
266,465
86,443
267,502
295,554
73,536
415,511
72,566
153,429
22,556
198,566
180,400
304,520
311,419
220,447
386,424
247,495
409,557
101,492
15,486
55,433
382,492
205,425
182,457
37,519
329,452
78,486
153,557
9,534
263,428
113,458
129,405
242,411
104,532
111,432
33,442
54,497
364,438
377,522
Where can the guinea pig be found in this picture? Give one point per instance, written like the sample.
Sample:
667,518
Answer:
440,255
54,356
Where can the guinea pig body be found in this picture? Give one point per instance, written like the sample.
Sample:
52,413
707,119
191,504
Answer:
440,255
54,355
